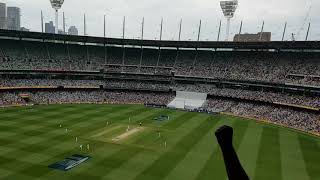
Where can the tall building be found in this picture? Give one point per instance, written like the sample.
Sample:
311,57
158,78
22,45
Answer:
49,27
73,30
13,18
264,36
3,15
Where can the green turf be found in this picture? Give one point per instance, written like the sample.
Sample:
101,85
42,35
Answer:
31,139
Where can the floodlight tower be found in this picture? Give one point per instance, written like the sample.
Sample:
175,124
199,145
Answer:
56,5
228,8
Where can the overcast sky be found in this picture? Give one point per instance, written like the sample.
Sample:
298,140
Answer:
298,13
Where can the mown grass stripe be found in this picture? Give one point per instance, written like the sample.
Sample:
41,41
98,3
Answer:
43,148
143,160
108,164
40,169
311,155
44,116
214,167
166,162
269,158
97,124
133,167
193,162
149,119
179,121
125,116
21,129
142,139
249,148
37,133
293,167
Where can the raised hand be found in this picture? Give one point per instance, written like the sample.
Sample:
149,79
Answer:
233,166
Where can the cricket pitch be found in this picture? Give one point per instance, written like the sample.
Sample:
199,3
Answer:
127,134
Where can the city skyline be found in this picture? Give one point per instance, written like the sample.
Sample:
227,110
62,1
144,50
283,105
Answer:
297,14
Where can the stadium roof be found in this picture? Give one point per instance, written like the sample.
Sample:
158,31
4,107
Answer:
296,45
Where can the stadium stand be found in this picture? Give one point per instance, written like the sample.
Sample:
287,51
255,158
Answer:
278,67
279,86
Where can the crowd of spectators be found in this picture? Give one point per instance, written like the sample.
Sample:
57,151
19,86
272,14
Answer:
84,96
256,95
279,67
303,120
114,84
310,101
48,82
262,66
129,84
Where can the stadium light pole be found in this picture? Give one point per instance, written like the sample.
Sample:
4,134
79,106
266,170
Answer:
41,21
141,47
84,25
179,38
56,5
104,41
180,28
64,24
284,31
161,26
262,27
219,31
199,31
198,39
104,26
160,38
123,26
142,28
123,47
308,32
240,29
228,8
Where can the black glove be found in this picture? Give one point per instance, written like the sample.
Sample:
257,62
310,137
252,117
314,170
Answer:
224,136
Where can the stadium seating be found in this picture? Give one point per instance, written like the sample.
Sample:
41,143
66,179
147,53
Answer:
281,67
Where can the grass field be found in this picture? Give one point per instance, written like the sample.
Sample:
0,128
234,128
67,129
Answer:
31,139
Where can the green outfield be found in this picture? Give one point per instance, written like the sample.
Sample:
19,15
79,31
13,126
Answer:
181,148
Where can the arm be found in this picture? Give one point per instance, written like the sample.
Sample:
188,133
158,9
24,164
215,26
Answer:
233,166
